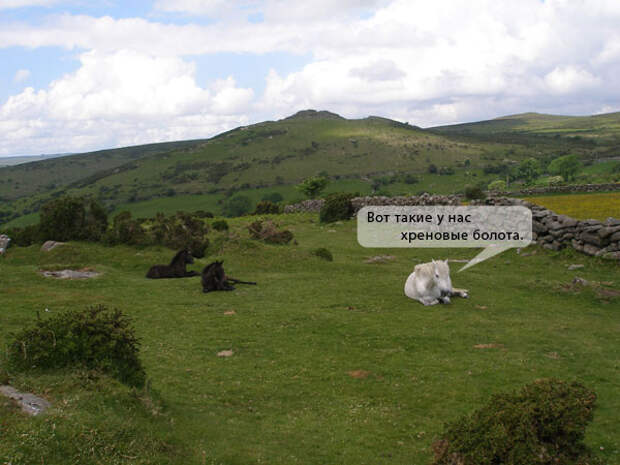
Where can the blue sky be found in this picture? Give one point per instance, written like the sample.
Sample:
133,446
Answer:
83,75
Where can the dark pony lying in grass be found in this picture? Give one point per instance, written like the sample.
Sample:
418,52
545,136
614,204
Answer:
214,278
176,269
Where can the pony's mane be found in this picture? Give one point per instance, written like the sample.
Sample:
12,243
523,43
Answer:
178,255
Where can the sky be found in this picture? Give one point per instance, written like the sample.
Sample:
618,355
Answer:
82,75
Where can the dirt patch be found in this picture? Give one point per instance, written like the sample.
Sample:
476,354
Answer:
380,259
492,345
225,353
358,374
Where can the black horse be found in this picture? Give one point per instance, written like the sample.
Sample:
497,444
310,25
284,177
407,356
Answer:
176,269
214,278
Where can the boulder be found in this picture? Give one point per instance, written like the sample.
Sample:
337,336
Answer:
50,245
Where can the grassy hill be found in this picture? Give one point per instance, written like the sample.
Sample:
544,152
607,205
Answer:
597,131
276,155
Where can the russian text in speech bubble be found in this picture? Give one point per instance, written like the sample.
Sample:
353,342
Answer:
495,228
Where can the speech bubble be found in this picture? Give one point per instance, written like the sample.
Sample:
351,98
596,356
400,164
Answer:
497,229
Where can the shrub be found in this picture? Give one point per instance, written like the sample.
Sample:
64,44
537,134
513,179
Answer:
474,193
268,232
63,219
497,185
265,207
203,214
544,423
336,207
323,253
126,231
313,186
94,338
23,237
220,225
554,180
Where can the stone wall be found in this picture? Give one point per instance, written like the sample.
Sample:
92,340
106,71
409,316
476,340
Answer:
564,189
552,231
555,232
360,202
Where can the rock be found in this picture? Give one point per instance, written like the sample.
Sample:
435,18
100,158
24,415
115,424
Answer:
590,249
380,259
612,255
608,231
575,267
50,245
591,239
70,274
580,281
615,237
29,403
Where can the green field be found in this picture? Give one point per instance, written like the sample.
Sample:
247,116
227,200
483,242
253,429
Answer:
287,394
598,206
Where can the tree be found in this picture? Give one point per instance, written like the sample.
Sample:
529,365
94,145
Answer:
313,186
566,166
528,170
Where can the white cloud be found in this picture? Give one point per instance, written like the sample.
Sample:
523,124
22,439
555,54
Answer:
423,62
8,4
21,75
567,79
120,98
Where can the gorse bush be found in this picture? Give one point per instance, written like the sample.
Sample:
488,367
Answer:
220,225
94,338
542,424
336,207
474,193
267,231
68,218
266,207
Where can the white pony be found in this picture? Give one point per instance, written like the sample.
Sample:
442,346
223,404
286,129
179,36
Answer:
430,284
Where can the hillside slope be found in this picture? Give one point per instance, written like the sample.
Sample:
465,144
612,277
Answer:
279,154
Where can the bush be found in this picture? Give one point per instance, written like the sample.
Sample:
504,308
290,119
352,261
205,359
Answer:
544,423
63,219
474,193
220,225
336,207
126,231
26,236
268,232
497,185
324,254
265,207
94,338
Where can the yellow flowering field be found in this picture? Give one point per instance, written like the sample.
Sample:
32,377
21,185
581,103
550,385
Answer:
582,206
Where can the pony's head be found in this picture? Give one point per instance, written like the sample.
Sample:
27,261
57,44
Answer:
441,276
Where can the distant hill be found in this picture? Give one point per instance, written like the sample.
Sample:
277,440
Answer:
18,160
356,154
598,129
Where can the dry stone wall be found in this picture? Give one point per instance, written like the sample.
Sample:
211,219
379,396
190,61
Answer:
555,232
315,205
564,189
551,230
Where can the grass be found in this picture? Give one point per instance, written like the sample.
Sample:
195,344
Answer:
582,206
286,395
